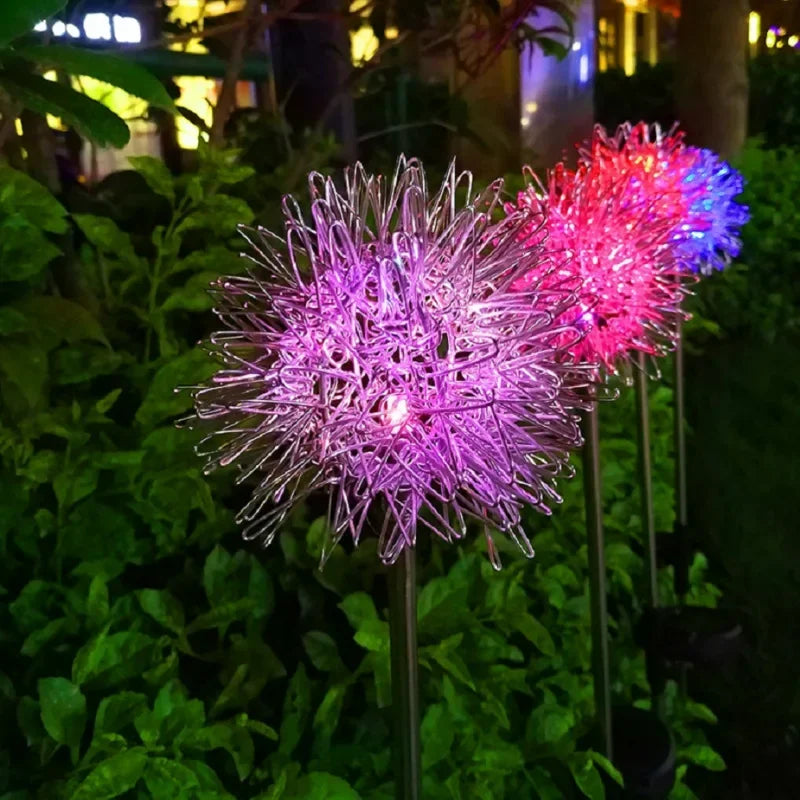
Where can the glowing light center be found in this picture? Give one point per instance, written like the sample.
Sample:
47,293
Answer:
395,412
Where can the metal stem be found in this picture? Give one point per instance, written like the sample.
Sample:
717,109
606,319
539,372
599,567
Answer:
681,499
405,677
597,576
646,475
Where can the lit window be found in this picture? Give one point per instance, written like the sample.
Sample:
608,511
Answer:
59,28
583,71
127,30
97,26
754,27
73,30
40,27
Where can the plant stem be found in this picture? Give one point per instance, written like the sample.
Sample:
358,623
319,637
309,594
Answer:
646,475
597,576
681,500
405,678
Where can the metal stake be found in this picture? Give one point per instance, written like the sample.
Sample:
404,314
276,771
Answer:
597,576
646,475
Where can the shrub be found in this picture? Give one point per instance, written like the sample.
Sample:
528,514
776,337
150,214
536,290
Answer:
151,653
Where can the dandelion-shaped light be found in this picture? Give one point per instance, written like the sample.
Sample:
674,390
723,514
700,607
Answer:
691,186
614,250
378,351
708,238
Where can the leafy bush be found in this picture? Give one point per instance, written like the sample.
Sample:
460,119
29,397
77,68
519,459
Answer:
151,653
759,293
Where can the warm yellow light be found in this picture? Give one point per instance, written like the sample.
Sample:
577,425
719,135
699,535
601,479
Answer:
793,41
629,42
780,44
198,95
770,39
531,107
391,32
363,44
18,126
53,121
193,10
754,27
525,122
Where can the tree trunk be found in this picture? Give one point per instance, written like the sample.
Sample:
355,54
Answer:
712,73
312,67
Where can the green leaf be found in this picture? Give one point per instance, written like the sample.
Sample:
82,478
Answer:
441,605
39,638
437,733
373,635
324,786
545,786
61,320
162,400
586,777
24,250
25,196
71,487
11,321
216,572
106,67
700,711
222,615
97,606
18,19
535,633
358,607
106,402
163,608
227,736
63,709
89,118
167,778
24,366
219,214
104,234
111,659
296,710
155,172
323,652
327,716
195,296
549,723
113,777
446,655
704,756
117,711
257,727
607,767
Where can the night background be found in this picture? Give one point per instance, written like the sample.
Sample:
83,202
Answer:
147,650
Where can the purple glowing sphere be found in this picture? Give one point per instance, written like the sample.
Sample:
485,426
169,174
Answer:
377,351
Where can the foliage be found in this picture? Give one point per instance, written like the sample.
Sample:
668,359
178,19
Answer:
759,294
151,653
22,87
